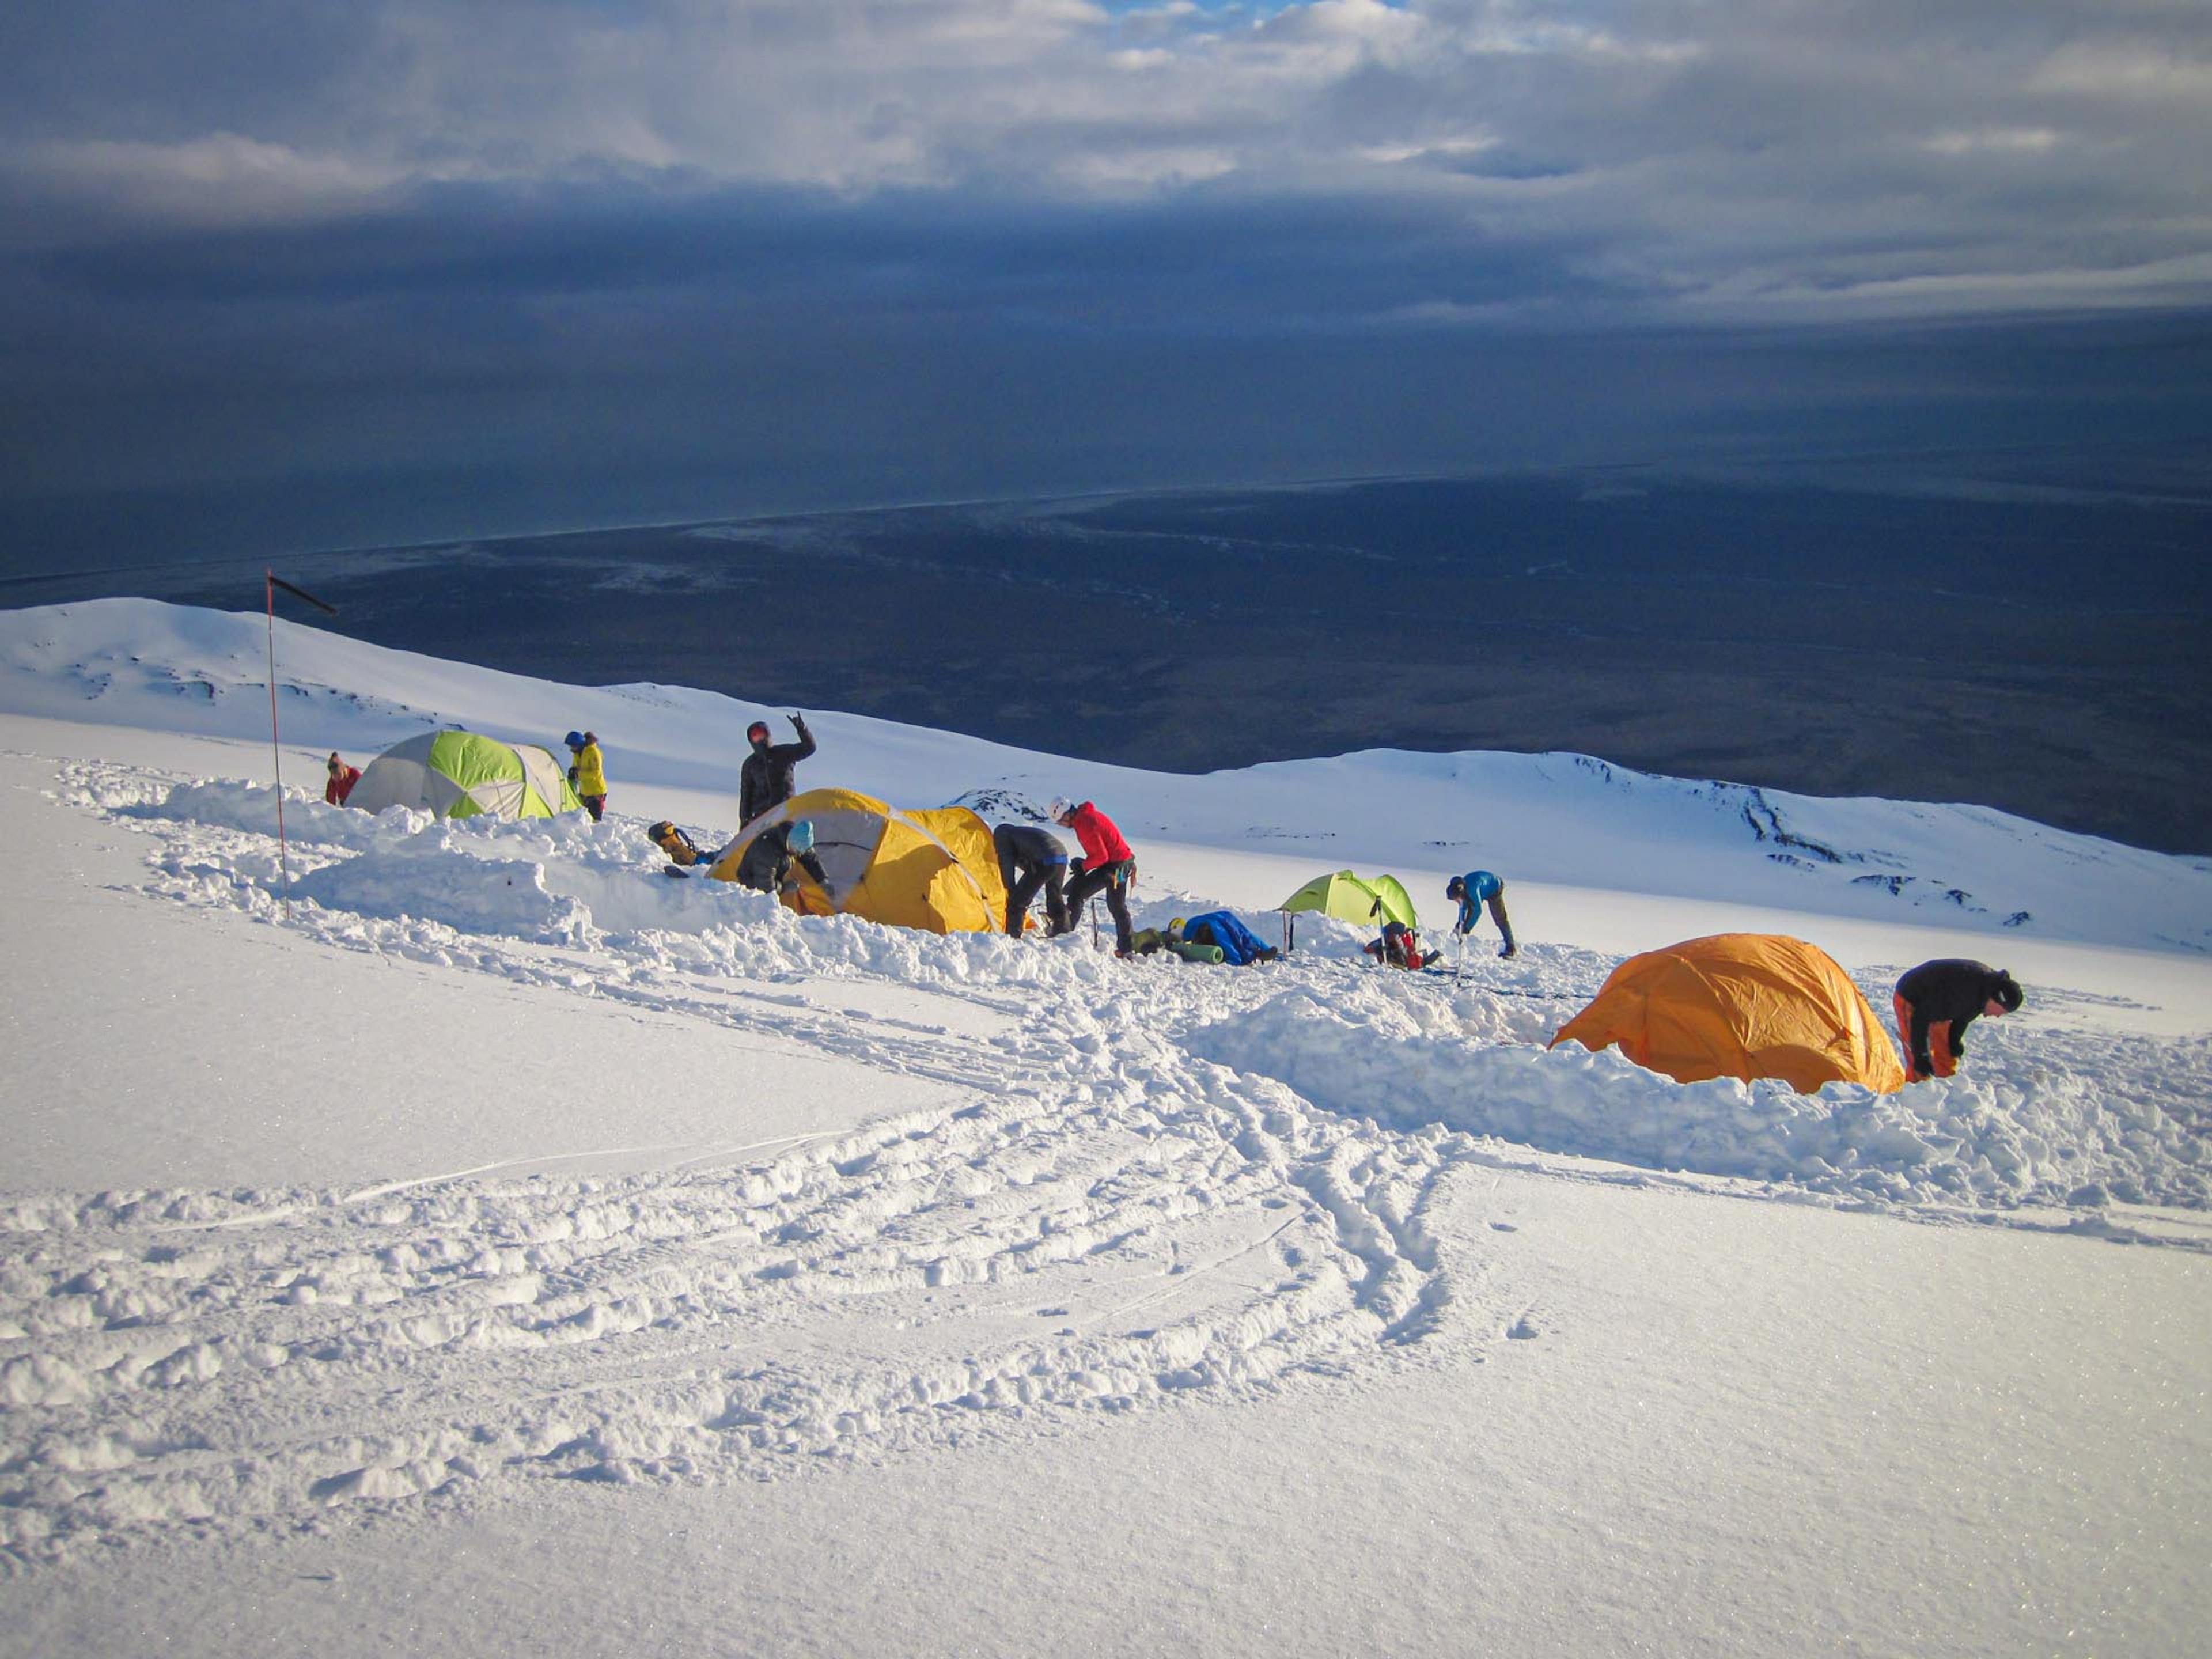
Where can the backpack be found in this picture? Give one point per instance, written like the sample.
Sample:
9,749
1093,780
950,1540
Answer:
679,847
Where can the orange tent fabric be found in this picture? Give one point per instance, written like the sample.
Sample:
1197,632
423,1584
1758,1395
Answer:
1744,1006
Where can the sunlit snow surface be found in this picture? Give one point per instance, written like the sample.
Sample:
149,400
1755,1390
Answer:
1106,1184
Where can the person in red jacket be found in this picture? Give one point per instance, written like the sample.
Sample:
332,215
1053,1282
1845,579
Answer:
342,780
1107,866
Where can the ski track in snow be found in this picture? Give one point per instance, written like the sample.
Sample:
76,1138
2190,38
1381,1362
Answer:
1163,1179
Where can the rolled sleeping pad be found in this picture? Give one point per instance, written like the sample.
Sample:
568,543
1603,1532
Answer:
1190,952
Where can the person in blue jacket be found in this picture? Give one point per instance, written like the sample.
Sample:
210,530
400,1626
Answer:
1474,889
1239,945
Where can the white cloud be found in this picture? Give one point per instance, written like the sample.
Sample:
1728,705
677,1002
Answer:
2128,68
2007,140
2018,141
217,177
2072,289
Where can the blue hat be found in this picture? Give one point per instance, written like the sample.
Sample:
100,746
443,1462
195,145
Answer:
801,838
576,741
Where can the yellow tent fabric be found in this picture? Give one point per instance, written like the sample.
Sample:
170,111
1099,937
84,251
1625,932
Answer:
934,869
1740,1005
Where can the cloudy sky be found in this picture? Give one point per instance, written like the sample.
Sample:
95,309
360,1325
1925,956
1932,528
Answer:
351,270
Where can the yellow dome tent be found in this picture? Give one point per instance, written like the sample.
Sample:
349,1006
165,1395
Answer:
1744,1006
934,869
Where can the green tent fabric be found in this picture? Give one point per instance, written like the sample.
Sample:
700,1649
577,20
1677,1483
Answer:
459,774
1371,901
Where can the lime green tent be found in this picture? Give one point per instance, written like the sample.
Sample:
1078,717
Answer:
459,774
1371,901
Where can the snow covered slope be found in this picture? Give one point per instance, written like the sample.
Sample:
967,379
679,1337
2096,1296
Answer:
478,1177
1565,819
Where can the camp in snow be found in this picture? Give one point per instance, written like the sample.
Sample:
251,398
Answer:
422,1232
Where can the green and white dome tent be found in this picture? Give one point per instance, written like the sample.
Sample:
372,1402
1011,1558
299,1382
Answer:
1373,900
459,774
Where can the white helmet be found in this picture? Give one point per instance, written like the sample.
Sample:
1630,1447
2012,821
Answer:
1061,807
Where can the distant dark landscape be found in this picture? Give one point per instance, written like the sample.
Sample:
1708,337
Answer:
2031,648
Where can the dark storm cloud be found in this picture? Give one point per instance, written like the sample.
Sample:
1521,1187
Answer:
537,263
1266,263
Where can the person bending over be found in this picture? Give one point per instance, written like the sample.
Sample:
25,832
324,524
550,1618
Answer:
1935,1003
768,862
1107,866
1479,887
1031,860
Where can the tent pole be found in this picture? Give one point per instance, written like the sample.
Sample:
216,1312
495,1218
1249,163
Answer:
275,748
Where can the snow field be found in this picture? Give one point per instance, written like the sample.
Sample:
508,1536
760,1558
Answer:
1156,1178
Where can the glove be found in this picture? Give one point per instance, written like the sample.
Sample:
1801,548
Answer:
1075,869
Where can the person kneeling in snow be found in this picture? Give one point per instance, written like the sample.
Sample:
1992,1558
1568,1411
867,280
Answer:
1937,1001
1481,887
1400,947
1238,944
767,864
342,780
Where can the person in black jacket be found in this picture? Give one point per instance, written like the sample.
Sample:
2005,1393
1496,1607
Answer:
766,779
1935,1003
1030,858
767,863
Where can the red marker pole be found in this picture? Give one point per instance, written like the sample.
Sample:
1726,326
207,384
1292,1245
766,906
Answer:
277,750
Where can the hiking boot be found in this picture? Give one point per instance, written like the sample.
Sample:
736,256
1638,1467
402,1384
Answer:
1510,951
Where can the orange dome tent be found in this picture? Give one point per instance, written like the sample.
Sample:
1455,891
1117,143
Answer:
1744,1006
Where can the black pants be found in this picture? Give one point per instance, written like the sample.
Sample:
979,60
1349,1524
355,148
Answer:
1113,880
1046,878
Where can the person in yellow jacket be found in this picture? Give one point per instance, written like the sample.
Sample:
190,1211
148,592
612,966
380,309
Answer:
589,772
